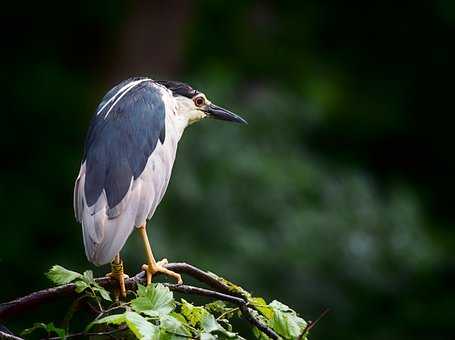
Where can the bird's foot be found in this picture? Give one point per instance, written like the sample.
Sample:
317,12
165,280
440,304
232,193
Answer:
159,268
118,274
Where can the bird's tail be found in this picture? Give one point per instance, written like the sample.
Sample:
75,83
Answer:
101,248
104,233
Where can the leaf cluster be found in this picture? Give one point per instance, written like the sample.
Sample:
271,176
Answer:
155,314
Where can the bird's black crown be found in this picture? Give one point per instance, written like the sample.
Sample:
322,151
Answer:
178,88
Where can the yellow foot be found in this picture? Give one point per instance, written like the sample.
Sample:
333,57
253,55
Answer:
118,274
151,270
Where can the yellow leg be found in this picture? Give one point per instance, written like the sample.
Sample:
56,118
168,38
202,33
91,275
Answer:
152,266
118,274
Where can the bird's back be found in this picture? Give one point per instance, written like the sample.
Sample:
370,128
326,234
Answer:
128,158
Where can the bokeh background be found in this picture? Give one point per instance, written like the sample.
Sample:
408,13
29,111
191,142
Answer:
338,194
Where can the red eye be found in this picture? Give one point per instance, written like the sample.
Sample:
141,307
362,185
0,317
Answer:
199,101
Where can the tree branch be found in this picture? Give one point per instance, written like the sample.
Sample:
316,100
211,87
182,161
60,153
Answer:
4,335
88,334
221,291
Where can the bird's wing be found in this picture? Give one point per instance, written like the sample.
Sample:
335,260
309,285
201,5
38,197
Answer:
124,135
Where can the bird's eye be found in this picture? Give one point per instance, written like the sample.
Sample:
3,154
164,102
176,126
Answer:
199,101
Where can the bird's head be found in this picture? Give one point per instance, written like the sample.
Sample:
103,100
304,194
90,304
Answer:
194,105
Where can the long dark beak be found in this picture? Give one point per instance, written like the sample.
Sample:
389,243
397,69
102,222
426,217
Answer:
214,111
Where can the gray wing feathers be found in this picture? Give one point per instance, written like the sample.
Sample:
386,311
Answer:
104,236
105,232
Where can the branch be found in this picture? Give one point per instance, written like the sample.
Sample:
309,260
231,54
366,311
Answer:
221,291
4,335
311,324
88,334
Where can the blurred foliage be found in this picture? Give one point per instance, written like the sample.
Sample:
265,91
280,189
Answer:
337,194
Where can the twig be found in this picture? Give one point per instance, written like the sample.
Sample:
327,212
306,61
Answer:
221,291
92,308
311,324
259,325
226,313
185,289
75,305
101,314
86,334
201,276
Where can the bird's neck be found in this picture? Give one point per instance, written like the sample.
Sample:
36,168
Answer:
180,123
175,122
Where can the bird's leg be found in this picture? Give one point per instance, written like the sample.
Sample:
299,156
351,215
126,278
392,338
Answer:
152,266
118,274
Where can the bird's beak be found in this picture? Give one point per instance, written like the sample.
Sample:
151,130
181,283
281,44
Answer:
214,111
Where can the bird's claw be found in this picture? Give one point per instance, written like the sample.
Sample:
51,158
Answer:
158,268
120,277
162,262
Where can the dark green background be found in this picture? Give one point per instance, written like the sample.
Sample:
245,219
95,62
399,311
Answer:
338,194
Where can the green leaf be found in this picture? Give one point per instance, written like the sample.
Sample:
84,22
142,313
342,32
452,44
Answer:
61,276
172,328
193,314
103,292
210,325
88,275
225,324
197,315
49,328
261,306
140,327
179,317
36,325
217,306
116,319
59,331
285,321
153,300
81,286
259,335
208,336
141,290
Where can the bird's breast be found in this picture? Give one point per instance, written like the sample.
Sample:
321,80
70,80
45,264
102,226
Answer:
153,182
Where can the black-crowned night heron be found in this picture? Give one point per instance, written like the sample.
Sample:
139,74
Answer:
128,157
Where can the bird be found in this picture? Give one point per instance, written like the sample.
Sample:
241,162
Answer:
128,156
